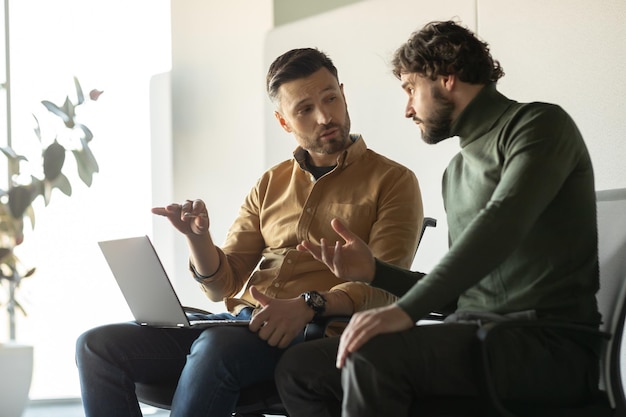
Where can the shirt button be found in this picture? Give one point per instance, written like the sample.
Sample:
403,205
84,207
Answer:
276,284
308,210
289,261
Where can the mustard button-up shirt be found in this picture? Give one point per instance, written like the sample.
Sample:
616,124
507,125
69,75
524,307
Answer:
377,198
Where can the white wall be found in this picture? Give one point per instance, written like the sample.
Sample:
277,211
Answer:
562,51
361,39
570,52
115,46
217,120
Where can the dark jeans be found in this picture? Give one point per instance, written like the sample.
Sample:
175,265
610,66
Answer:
211,366
391,373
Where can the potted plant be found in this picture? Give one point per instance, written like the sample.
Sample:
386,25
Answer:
45,173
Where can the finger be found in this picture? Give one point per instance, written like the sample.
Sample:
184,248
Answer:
266,332
360,329
198,206
337,256
312,249
342,230
286,340
259,296
199,224
360,337
185,207
342,353
257,321
328,254
161,211
346,335
275,338
195,208
326,257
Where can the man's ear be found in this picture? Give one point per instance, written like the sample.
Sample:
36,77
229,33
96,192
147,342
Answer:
448,82
343,94
283,123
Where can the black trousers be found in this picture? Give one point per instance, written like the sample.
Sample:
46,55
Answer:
393,373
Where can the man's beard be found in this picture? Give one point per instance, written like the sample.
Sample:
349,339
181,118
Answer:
437,126
332,146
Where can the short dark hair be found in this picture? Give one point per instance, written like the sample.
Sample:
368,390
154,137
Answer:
445,48
295,64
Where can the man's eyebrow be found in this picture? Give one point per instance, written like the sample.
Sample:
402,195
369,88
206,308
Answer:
301,102
307,99
404,84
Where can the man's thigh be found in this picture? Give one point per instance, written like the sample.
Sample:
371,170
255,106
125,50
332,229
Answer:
308,380
428,360
443,359
312,364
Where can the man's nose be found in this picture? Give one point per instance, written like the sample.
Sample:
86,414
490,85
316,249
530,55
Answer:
323,117
409,111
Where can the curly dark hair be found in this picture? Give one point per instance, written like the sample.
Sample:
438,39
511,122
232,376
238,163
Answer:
295,64
445,48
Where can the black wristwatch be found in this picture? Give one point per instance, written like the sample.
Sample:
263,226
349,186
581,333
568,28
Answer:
316,301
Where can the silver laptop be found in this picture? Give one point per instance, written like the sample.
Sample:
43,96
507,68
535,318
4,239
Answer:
146,287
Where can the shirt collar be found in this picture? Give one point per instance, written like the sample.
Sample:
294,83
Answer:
480,114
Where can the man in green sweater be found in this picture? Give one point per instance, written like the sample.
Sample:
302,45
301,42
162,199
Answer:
521,214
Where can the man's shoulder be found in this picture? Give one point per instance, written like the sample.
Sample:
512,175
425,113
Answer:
283,167
539,109
385,161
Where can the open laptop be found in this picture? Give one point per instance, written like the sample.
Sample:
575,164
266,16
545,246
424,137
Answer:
146,287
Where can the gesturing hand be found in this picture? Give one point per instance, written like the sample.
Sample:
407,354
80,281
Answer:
190,217
279,321
352,261
366,324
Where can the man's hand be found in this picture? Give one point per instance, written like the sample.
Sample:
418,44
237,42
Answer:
366,324
189,218
352,261
279,321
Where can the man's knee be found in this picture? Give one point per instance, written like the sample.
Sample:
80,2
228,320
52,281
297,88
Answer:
308,363
96,342
295,361
284,372
378,354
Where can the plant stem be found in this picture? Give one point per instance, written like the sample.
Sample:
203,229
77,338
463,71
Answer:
11,310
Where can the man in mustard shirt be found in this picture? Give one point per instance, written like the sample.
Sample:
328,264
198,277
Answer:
332,175
520,207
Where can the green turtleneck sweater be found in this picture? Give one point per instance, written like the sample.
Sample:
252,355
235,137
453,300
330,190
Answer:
520,206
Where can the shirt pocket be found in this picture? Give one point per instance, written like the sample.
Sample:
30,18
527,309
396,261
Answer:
357,217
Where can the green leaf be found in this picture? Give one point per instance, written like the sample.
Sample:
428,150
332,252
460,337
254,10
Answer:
86,164
11,154
36,187
54,109
20,198
37,128
19,307
30,211
53,160
4,252
68,107
61,182
79,92
86,132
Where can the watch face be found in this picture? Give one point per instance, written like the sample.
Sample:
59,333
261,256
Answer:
316,299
